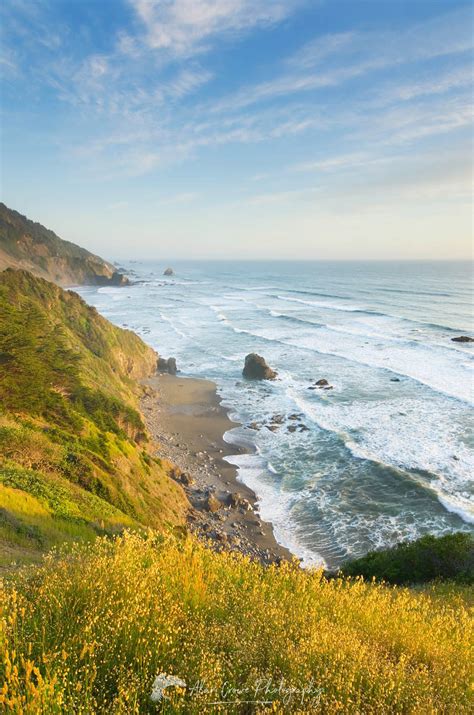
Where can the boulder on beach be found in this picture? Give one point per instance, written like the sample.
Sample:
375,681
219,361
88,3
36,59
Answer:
186,479
235,499
212,504
256,368
168,272
463,339
245,505
167,365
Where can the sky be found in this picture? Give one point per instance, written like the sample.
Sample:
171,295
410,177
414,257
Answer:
212,129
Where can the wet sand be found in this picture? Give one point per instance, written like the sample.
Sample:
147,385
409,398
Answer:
186,419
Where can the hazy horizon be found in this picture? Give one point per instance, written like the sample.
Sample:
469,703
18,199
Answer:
230,129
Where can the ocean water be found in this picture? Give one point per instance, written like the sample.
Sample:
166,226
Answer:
381,460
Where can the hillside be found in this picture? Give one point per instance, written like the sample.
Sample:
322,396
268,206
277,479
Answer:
75,459
29,245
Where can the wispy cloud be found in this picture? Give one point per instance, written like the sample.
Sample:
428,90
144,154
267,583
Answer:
445,34
396,125
334,59
183,27
138,106
8,62
342,161
442,82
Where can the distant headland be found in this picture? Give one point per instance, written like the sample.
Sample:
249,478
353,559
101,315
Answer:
30,246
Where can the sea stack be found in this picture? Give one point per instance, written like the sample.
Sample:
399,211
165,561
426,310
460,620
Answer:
168,272
167,365
256,368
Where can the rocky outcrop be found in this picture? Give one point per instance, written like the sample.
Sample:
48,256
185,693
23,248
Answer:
30,246
168,272
256,368
322,384
463,339
167,365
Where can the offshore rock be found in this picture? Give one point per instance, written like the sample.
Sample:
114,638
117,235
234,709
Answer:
168,272
463,339
256,368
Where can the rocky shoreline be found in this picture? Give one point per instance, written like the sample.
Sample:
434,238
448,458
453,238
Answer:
187,421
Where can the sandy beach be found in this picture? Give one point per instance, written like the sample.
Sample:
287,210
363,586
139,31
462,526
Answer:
187,421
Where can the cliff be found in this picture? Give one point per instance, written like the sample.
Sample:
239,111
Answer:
29,245
75,456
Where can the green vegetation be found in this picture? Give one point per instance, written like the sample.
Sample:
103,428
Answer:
27,244
449,557
115,603
90,630
74,454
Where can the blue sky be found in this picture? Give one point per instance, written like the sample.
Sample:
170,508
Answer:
241,128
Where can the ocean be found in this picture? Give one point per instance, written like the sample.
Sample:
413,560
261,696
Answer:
385,455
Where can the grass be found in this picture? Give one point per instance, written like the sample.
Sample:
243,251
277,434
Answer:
89,630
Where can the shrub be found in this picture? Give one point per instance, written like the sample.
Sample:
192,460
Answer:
446,557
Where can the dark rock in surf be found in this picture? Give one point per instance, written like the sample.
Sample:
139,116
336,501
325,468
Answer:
321,383
167,365
172,369
256,368
463,339
118,279
168,272
278,419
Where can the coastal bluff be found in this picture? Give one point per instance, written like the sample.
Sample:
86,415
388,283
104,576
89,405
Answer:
28,245
76,458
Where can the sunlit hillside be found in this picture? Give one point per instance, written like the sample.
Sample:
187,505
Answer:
75,460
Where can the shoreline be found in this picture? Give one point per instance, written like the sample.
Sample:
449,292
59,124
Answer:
187,421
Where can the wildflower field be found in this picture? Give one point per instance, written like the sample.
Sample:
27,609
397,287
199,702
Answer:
90,630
